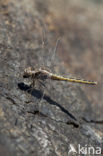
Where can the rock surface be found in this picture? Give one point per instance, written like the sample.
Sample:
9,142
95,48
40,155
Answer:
65,117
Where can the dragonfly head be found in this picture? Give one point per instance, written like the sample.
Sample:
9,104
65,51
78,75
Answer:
27,72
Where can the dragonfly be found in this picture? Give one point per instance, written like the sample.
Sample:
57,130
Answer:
41,74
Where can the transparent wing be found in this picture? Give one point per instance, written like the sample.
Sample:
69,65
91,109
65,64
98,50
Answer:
52,56
48,53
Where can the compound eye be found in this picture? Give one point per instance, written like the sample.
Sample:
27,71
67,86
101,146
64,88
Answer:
25,76
27,72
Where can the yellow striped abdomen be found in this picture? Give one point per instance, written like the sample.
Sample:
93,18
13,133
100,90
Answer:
60,78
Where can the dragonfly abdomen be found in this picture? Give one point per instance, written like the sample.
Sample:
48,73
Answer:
60,78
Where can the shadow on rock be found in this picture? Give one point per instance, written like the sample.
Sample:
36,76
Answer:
38,94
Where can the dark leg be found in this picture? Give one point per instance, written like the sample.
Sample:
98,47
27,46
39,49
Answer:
41,86
32,85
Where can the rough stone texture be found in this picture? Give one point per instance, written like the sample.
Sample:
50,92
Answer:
66,115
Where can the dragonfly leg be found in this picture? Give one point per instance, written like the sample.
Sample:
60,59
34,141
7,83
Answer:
30,89
41,99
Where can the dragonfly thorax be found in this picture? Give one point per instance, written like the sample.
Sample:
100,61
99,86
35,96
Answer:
37,73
